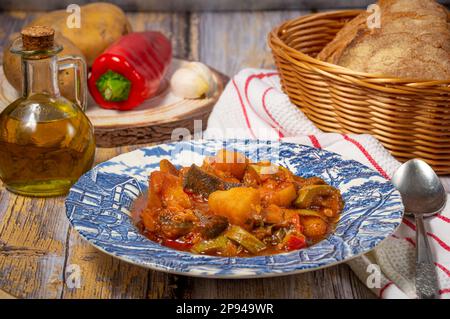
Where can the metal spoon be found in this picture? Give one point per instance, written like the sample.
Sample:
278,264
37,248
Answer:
423,195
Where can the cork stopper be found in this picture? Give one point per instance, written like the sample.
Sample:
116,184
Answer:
37,38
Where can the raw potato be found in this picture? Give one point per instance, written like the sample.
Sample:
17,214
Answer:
101,25
13,68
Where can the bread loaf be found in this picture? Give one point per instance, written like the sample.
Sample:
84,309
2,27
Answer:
413,42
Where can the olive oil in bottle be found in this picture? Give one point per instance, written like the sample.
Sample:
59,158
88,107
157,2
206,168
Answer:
46,141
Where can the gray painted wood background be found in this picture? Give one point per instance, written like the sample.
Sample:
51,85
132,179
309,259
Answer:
195,5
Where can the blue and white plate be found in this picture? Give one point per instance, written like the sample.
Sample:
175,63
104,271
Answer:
98,207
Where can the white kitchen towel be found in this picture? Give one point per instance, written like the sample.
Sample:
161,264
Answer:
254,106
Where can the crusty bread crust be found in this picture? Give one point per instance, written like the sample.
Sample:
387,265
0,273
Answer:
413,42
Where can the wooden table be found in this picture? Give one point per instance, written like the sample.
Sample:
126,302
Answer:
37,245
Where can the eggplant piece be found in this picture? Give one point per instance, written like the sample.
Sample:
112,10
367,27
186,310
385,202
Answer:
202,183
211,226
174,225
214,225
176,230
307,194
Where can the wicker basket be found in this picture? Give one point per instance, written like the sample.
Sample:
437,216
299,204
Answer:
410,117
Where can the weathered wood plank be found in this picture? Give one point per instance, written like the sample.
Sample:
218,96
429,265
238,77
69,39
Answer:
5,295
173,25
102,276
32,246
333,282
230,42
10,23
338,282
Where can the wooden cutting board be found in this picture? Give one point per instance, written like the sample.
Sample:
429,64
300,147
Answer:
5,295
153,121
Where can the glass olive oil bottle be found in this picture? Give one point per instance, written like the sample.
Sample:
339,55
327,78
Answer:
46,141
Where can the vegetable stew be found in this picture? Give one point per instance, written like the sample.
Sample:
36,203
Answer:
230,206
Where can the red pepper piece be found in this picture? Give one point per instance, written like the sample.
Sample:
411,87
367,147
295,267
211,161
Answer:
130,70
177,244
293,242
297,226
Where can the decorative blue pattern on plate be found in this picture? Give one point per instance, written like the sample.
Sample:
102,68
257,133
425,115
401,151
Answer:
98,206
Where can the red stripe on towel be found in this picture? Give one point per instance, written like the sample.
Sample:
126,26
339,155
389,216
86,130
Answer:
367,155
444,291
270,114
244,110
247,83
447,272
439,241
408,223
410,240
314,141
441,292
436,238
443,218
384,288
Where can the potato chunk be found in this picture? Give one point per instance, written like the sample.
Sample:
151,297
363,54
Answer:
280,196
238,204
231,162
314,226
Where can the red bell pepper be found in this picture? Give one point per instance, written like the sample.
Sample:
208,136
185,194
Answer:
130,70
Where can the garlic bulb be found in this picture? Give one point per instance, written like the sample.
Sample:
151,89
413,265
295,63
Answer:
192,81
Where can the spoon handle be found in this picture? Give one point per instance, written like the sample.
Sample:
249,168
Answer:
426,278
